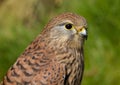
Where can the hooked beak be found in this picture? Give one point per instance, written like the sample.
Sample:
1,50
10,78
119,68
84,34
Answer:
82,30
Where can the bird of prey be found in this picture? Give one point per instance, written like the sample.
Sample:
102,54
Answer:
55,57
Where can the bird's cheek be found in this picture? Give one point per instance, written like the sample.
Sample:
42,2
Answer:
74,32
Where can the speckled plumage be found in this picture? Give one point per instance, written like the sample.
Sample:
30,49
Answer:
53,58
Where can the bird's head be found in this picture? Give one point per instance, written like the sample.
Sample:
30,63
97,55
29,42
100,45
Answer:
68,28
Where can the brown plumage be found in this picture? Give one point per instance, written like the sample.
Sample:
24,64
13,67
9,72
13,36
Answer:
55,57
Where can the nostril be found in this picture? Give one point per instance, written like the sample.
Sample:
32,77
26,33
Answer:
80,30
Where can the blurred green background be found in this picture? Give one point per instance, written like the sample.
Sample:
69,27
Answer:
22,20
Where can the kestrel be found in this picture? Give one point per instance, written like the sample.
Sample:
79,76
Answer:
55,57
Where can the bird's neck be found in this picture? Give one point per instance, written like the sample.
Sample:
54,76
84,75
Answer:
70,57
73,62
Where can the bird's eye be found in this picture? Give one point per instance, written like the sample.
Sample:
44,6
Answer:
68,26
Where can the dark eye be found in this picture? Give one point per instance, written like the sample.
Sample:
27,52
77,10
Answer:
68,26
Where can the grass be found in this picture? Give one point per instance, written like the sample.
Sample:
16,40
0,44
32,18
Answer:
102,49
